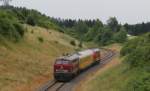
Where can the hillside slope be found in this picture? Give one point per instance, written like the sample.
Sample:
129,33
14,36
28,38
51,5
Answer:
132,73
30,60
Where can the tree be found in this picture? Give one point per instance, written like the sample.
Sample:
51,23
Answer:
94,30
31,21
113,24
104,37
120,36
81,28
98,24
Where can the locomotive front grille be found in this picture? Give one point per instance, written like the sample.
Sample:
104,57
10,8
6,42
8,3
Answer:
63,76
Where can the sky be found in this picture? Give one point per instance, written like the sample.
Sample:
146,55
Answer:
130,11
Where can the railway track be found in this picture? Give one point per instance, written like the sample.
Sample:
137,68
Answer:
52,86
109,55
56,86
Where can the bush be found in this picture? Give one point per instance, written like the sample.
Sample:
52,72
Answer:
73,43
139,83
41,39
19,28
129,46
142,84
120,36
31,21
104,37
10,28
137,55
137,51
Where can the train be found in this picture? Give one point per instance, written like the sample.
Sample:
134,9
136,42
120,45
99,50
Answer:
69,66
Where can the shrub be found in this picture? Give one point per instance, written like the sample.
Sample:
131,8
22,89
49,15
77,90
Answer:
137,55
137,51
141,83
120,36
10,28
31,21
73,43
19,28
41,39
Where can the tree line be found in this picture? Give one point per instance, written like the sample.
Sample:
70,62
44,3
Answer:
138,29
93,30
84,30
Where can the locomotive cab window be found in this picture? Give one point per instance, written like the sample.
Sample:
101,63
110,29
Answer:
65,62
62,61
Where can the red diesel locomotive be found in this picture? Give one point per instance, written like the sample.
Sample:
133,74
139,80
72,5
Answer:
67,67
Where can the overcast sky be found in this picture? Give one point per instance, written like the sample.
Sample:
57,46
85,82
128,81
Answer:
131,11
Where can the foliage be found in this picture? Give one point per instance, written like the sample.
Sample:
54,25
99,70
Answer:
104,37
140,83
73,43
83,30
10,28
137,56
138,29
137,51
120,36
41,39
81,27
113,24
94,30
31,21
30,16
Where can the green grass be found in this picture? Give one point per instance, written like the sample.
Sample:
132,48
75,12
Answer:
25,64
115,79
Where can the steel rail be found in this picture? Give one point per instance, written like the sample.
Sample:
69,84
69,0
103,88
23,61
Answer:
53,84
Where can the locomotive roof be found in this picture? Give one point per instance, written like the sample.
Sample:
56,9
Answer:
95,49
85,53
80,54
70,57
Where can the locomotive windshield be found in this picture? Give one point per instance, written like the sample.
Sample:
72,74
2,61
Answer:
62,61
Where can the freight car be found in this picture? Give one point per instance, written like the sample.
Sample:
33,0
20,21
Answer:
67,67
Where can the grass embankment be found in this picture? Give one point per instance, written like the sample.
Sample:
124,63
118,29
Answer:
112,77
27,64
132,74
